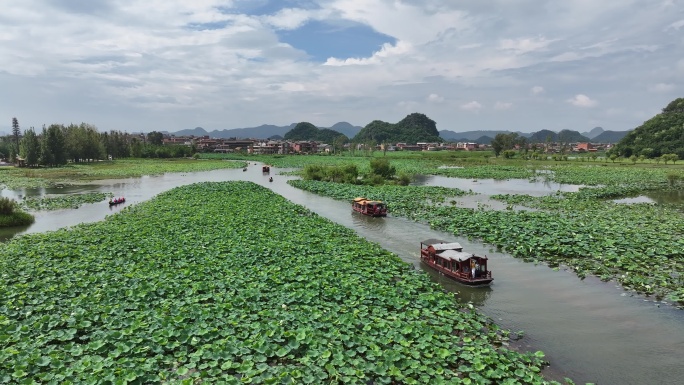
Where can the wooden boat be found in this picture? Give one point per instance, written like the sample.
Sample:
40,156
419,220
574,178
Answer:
369,207
265,169
116,201
450,260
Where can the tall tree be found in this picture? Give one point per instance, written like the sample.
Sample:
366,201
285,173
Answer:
30,147
53,148
15,131
156,138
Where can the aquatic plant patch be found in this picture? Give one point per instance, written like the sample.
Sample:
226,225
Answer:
639,246
231,283
70,201
400,199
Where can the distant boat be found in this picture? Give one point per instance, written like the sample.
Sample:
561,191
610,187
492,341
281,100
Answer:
116,201
265,169
369,207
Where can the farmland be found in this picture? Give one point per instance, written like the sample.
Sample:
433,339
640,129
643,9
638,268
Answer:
197,285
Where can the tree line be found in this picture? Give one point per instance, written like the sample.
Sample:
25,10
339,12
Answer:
58,144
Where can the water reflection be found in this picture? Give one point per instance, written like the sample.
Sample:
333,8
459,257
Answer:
475,295
659,197
365,222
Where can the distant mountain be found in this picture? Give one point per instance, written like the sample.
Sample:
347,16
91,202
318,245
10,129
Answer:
307,131
596,131
484,140
543,136
468,136
415,127
197,131
262,132
570,136
609,136
346,129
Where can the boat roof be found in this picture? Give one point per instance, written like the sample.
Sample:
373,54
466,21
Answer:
360,199
455,255
438,244
447,246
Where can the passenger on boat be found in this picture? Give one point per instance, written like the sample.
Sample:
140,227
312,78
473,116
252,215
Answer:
473,266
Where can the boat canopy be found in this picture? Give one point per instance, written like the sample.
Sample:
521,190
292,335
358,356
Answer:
366,201
455,255
448,246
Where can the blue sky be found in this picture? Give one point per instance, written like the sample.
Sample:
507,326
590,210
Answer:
519,65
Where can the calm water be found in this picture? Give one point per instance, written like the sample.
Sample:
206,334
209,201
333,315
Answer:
591,331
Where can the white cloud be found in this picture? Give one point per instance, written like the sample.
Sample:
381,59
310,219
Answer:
119,64
472,106
524,45
662,87
387,50
503,106
581,100
536,90
434,98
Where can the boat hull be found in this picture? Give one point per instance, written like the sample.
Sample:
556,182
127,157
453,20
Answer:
462,278
361,211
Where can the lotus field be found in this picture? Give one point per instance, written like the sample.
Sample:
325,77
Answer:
641,245
231,283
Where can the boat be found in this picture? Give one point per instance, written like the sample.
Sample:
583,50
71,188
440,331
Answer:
265,169
369,207
449,259
116,201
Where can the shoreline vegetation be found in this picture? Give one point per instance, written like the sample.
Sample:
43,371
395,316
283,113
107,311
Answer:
198,285
11,215
79,173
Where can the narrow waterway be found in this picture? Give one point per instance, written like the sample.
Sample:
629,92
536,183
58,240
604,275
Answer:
591,331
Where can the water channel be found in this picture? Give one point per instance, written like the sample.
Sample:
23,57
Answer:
590,331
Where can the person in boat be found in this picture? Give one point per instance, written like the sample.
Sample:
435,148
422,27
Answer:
473,266
270,179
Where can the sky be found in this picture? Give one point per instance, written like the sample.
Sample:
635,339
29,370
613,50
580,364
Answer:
168,65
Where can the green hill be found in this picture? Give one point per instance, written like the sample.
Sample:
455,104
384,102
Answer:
662,134
412,129
307,131
609,137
